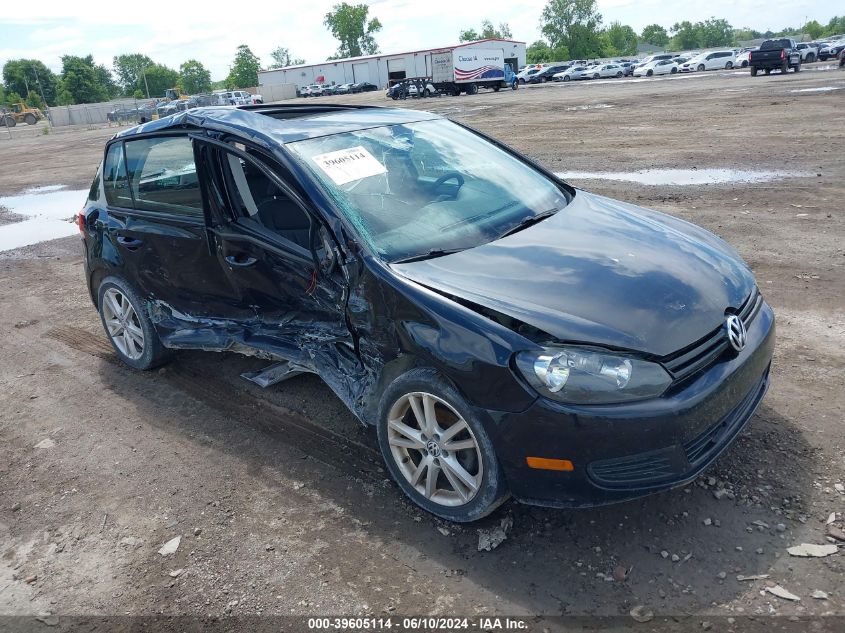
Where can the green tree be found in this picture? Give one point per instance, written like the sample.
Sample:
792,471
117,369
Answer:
106,79
159,78
81,80
655,35
620,39
12,98
23,75
244,70
33,100
350,26
129,68
282,58
574,24
538,53
813,29
685,35
836,26
715,32
194,77
138,94
488,31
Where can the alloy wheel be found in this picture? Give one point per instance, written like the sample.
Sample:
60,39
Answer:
123,324
434,449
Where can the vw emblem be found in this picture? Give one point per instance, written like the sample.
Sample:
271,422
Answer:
433,448
737,335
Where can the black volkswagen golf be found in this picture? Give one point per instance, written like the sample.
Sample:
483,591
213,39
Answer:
506,333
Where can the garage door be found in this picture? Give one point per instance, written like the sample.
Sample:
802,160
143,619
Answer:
361,72
396,69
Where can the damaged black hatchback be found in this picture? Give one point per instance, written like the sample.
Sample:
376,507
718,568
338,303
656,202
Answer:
505,333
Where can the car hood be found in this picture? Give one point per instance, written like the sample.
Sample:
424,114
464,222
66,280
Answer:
600,272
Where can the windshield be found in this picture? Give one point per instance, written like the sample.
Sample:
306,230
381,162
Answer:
414,188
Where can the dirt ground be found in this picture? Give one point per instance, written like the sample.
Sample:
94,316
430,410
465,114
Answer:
279,495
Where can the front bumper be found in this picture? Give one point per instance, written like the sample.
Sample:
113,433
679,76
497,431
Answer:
626,451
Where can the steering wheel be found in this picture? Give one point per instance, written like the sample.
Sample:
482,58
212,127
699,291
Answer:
452,175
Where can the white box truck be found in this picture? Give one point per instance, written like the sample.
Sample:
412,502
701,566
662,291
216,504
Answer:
468,69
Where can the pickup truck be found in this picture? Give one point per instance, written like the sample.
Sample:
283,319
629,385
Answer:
781,54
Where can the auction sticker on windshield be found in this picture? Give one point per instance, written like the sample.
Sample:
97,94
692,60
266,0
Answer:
346,165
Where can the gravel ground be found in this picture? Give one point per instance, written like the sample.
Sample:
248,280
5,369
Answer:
279,496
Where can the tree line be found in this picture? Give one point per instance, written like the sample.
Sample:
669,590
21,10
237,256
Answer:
573,29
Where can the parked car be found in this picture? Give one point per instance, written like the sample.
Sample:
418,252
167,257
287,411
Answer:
313,90
742,57
504,332
121,115
343,89
714,60
607,70
546,74
781,54
656,58
526,73
657,67
364,86
809,52
428,89
832,50
573,72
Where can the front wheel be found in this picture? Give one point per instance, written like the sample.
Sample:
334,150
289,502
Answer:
566,78
798,67
649,73
472,89
128,326
619,75
673,71
811,58
437,450
30,119
9,121
701,67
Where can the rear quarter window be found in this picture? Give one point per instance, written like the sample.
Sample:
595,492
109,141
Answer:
115,182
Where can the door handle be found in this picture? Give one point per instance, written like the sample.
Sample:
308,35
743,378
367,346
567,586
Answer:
129,242
240,261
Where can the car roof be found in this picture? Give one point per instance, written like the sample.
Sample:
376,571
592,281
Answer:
279,124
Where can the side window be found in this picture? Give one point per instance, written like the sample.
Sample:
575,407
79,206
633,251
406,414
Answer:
259,200
114,178
163,175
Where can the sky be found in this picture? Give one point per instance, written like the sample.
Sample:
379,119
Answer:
212,34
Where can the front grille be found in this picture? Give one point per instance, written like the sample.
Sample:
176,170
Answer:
705,351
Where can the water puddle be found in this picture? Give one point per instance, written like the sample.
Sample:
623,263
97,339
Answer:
656,177
822,89
47,211
593,106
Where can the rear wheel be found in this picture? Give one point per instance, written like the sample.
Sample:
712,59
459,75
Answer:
798,67
30,119
619,74
810,58
10,121
496,88
437,450
472,89
784,67
745,64
754,71
128,325
729,65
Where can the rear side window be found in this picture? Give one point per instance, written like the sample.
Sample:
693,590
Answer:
163,176
114,178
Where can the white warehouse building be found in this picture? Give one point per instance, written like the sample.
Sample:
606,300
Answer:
382,69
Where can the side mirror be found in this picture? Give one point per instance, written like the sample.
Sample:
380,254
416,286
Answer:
322,248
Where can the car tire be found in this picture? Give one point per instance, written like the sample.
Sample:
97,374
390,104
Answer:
567,78
30,119
426,93
784,67
429,473
700,68
673,71
129,329
496,88
9,121
472,89
810,58
649,73
619,75
754,71
729,65
798,67
745,64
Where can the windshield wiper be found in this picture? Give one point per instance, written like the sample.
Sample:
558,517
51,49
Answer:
524,223
435,252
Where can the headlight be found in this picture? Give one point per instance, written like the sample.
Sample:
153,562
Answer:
584,376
